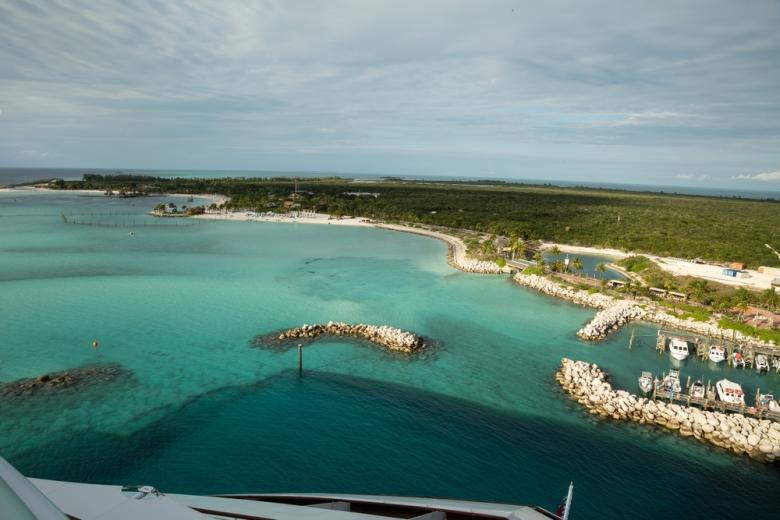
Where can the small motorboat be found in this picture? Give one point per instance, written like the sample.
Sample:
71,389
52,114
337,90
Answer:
730,392
717,354
761,363
671,382
698,390
678,349
768,402
646,382
737,360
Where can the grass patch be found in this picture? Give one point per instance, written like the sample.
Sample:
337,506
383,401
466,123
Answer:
762,334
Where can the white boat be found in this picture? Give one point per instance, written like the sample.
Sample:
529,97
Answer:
737,360
768,401
730,392
761,364
698,389
39,499
717,354
646,381
678,348
671,382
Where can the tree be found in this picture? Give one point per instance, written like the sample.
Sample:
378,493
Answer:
770,299
555,250
576,264
601,269
700,290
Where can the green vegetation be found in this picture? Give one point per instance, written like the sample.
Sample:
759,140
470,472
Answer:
500,262
716,229
635,264
762,334
685,311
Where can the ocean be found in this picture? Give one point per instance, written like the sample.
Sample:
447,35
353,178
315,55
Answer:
199,409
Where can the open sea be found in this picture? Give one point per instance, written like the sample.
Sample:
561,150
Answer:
200,410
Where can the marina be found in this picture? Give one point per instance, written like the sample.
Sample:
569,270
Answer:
717,349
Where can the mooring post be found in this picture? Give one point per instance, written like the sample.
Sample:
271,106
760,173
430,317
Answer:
300,359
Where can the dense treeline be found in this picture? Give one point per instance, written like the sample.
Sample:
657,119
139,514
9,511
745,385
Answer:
715,229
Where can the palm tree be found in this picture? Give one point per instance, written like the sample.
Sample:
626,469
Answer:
601,268
539,259
576,264
555,250
770,299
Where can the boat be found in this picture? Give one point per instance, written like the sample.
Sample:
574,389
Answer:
730,392
737,360
698,390
768,402
717,354
40,499
646,382
761,364
671,382
678,348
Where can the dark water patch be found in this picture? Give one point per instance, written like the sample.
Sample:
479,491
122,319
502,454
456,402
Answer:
70,380
328,433
353,278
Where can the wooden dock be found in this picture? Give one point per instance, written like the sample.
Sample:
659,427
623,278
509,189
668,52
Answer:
710,403
702,344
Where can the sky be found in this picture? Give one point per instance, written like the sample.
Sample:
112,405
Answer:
664,92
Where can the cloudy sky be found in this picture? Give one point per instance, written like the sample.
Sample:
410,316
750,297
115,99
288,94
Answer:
639,92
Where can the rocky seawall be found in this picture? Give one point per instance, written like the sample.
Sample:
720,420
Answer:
388,337
551,288
618,312
588,385
610,319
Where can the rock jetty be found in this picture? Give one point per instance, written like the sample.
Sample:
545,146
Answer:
627,310
551,288
609,319
55,381
382,335
588,385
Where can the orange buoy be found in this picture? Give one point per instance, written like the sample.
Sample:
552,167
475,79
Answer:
95,343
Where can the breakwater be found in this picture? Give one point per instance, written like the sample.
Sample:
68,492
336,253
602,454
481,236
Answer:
382,335
588,385
610,319
617,312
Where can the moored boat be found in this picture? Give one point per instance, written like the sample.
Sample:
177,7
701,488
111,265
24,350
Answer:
737,360
646,382
671,382
717,354
678,348
761,364
698,390
768,402
730,392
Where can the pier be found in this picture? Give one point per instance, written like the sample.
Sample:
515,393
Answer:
711,403
702,344
741,433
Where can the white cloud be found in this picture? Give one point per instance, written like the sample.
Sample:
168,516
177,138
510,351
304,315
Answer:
763,177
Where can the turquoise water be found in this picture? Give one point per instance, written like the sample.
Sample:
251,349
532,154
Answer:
589,263
477,417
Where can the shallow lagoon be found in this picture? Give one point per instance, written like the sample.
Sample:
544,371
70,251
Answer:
479,416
